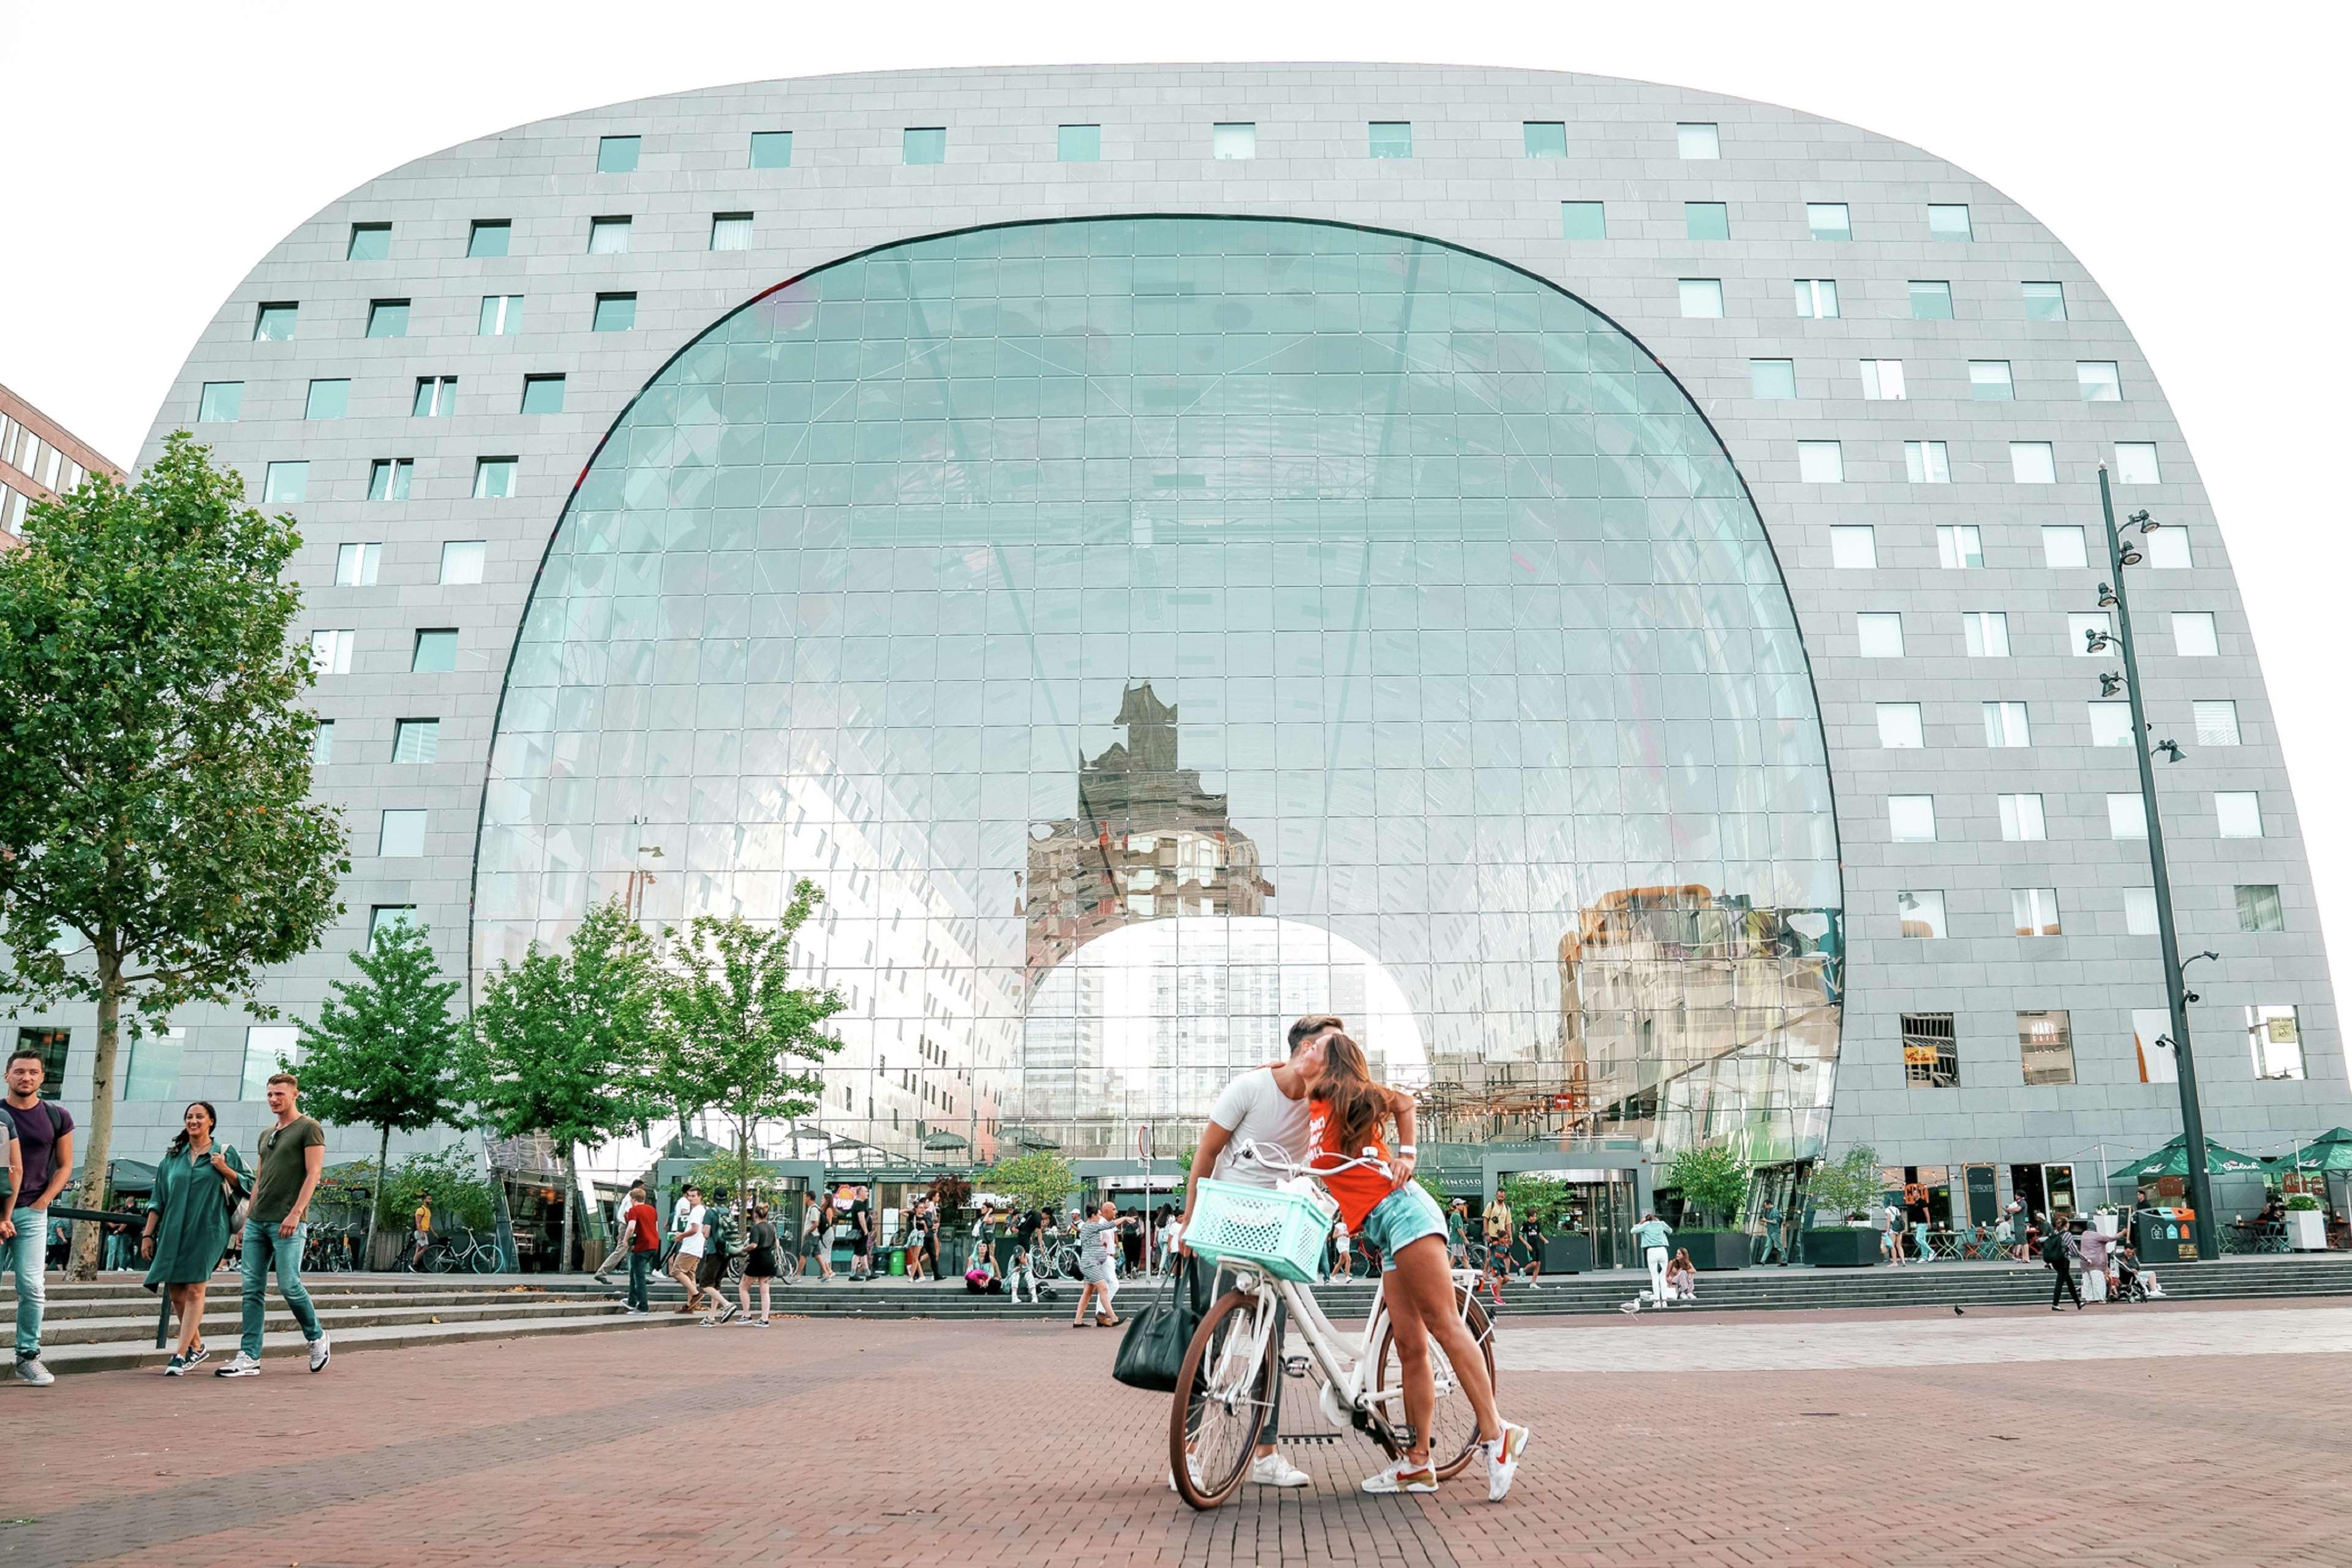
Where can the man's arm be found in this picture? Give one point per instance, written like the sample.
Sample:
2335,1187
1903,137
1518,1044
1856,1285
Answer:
60,1172
314,1161
16,1181
1213,1139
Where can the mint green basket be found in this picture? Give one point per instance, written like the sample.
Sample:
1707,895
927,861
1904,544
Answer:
1282,1233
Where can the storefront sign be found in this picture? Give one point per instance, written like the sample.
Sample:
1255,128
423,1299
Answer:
1984,1203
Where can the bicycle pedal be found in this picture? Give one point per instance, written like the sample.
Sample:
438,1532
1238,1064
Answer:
1296,1365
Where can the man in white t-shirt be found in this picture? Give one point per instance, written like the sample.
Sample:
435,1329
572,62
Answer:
1266,1106
692,1235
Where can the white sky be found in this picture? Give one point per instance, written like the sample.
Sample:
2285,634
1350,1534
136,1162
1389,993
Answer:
2192,156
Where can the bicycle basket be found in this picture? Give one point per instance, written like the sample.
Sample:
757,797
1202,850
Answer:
1283,1233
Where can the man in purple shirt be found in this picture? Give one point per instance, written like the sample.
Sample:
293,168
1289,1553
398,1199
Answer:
44,1140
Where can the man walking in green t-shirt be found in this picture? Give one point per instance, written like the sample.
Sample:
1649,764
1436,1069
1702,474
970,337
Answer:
291,1153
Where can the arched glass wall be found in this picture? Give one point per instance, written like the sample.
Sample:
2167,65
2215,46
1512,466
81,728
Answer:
1148,629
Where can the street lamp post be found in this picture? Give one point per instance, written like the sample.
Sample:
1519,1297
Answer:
2192,1119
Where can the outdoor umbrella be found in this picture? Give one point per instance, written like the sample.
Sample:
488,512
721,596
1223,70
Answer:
2331,1151
945,1140
125,1176
2172,1160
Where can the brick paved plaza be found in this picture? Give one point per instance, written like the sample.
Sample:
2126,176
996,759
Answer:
2148,1435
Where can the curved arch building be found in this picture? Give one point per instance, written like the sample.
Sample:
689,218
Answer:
1586,579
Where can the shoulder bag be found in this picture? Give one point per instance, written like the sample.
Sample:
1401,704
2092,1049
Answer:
1151,1352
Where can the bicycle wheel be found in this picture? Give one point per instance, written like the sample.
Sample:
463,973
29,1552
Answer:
1227,1383
1452,1425
486,1258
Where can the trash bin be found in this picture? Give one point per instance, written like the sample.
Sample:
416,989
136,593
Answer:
2164,1235
897,1260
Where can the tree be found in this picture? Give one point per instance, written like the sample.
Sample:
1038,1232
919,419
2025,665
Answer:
736,1034
1850,1186
156,846
1037,1180
1713,1180
1543,1199
562,1042
385,1052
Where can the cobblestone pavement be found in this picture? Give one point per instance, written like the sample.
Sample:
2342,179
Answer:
2206,1438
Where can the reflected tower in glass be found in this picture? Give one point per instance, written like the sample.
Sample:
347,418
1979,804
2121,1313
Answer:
1145,630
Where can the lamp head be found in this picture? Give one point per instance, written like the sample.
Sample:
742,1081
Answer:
2109,684
2146,523
2107,597
2130,556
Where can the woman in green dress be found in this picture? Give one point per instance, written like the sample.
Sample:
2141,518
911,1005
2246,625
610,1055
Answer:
197,1183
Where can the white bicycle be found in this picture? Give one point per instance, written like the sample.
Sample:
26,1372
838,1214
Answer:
1270,1243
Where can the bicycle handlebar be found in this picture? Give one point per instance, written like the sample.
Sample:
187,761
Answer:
1281,1160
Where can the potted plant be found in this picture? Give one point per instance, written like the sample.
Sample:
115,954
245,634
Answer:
1845,1187
2306,1226
1713,1180
1544,1200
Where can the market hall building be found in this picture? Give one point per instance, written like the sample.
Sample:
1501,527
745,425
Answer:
1586,579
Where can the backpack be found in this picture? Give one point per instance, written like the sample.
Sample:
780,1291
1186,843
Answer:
722,1232
2053,1249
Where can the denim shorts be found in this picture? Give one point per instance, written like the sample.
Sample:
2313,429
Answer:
1402,1217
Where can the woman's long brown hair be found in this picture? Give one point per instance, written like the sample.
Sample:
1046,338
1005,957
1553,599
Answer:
1358,1105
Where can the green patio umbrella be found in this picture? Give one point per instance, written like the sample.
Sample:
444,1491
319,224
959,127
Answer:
2172,1160
2331,1151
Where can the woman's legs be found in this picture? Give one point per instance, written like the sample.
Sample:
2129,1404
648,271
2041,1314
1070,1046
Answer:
1086,1296
1420,1295
766,1285
188,1301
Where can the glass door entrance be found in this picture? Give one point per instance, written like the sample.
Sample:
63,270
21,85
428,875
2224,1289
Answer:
1601,1205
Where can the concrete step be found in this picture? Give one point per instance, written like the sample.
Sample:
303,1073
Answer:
221,1325
283,1352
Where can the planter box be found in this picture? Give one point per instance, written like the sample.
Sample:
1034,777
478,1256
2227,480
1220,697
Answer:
1841,1247
1716,1251
1569,1254
2306,1230
2107,1224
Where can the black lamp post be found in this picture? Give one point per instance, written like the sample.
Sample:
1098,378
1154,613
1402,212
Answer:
2192,1119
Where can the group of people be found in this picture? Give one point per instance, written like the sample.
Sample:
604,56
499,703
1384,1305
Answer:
206,1199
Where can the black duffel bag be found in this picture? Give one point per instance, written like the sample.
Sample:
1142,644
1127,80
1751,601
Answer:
1152,1352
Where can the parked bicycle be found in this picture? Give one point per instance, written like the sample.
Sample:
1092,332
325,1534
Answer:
452,1252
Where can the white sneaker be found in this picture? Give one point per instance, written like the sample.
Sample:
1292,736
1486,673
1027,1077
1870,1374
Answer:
1273,1470
319,1352
1192,1469
240,1365
1405,1476
32,1374
1503,1460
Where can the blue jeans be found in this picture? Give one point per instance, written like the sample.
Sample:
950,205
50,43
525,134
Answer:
264,1246
641,1273
28,1255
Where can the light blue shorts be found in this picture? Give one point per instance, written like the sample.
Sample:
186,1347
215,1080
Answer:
1402,1217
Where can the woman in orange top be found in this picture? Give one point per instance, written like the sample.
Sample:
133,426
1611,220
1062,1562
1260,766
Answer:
1384,1206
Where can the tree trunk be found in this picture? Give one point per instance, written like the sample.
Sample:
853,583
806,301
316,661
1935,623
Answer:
83,1265
570,1188
375,1202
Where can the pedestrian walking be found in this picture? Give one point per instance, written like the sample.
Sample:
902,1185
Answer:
1652,1236
198,1185
641,1229
1768,1245
861,1235
43,1145
688,1233
2061,1268
816,1236
1457,1232
619,1252
290,1155
710,1270
2093,1243
933,1224
759,1265
1888,1222
914,1247
1094,1238
1495,1226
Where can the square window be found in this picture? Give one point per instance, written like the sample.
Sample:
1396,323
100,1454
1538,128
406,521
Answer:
1931,1054
2032,463
1828,220
2083,628
1927,462
2217,723
1911,818
267,1048
2033,911
401,836
617,154
387,319
1701,296
1233,138
286,482
1583,220
436,652
1853,546
1389,139
2005,725
462,560
417,740
616,312
1697,141
2127,816
1949,220
494,478
331,651
1821,462
323,742
356,564
1545,138
1931,300
2022,821
2139,911
2259,908
772,149
328,400
1882,380
1077,144
730,231
490,236
1706,220
542,395
1879,634
275,323
2167,548
501,315
1921,914
1959,546
384,918
220,402
2193,635
2275,1037
2044,302
370,242
2045,1046
1990,381
2111,723
1817,298
1900,728
2061,547
388,477
608,236
2099,381
2136,463
1985,633
1772,378
437,397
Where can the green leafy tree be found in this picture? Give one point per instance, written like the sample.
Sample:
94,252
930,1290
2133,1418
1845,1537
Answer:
156,846
563,1042
1539,1198
1713,1180
446,1177
737,1035
1849,1185
1039,1179
385,1052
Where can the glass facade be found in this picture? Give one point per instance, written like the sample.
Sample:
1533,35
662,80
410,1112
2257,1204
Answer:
1147,630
